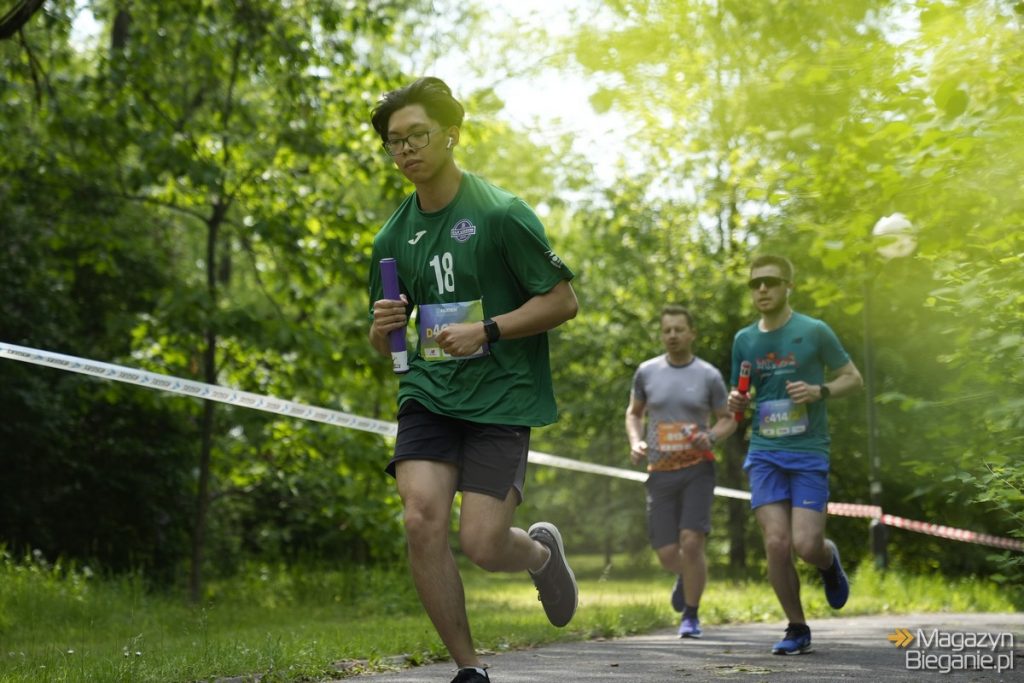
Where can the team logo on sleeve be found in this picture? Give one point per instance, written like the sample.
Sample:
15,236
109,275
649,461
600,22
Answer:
463,230
553,257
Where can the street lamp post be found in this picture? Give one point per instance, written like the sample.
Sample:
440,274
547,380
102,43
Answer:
878,531
893,238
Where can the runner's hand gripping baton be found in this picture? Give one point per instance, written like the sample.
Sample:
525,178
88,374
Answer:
389,278
744,384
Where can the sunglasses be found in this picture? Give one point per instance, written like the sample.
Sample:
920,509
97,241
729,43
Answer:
768,281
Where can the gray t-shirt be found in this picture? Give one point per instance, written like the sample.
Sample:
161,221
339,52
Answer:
679,402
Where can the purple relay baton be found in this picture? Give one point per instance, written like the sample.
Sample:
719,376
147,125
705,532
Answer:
389,278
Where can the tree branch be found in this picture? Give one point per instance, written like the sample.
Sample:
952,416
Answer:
17,17
159,202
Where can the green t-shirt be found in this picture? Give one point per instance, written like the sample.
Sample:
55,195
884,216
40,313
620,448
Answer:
487,245
799,350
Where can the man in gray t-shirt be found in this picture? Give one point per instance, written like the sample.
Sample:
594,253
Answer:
679,393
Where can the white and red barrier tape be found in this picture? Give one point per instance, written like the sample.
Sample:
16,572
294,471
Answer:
246,399
854,510
952,533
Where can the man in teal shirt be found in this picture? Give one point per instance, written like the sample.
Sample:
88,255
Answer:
474,263
788,459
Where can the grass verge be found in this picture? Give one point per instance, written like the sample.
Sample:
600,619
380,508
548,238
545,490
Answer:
61,623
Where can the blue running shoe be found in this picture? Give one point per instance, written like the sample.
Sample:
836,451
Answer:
797,641
689,627
837,586
678,599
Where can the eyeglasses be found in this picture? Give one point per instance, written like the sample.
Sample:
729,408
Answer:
768,281
415,141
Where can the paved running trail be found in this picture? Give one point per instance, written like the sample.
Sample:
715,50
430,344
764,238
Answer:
845,649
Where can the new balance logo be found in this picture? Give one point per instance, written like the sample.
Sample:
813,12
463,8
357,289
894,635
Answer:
416,239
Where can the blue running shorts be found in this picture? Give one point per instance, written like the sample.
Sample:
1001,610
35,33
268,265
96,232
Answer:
777,476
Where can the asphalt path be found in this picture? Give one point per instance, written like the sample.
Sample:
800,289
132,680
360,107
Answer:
844,649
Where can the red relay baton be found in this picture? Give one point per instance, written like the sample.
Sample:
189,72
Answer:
744,384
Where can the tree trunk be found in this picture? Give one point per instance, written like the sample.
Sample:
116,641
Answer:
195,583
736,446
213,225
121,30
739,510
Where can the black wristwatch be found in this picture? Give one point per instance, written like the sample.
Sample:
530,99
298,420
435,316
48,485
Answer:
825,391
491,330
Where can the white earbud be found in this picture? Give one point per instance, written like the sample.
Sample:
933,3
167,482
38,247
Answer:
450,143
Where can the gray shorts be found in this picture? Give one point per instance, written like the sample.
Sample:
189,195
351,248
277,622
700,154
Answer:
679,500
490,458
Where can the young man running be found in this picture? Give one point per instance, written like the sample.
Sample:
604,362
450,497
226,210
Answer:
788,459
474,262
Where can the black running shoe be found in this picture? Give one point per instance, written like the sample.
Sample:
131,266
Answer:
555,582
471,675
678,599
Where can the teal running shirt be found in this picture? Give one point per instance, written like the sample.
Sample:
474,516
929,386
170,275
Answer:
486,250
801,349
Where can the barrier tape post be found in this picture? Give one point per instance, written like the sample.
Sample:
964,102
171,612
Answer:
245,399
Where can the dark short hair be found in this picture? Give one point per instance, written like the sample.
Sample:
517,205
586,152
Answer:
676,309
781,262
431,93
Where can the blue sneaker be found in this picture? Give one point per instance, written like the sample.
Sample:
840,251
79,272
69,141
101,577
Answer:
837,590
678,599
797,641
689,627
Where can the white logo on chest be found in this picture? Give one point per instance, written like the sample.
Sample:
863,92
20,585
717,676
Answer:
463,230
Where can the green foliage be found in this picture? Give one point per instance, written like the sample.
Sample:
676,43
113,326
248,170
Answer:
793,129
640,255
207,174
203,177
91,470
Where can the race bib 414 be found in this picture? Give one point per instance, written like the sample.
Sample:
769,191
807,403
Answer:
781,418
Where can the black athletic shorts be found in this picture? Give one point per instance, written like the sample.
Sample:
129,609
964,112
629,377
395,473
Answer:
490,458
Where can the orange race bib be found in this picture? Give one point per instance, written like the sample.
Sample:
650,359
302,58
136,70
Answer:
675,436
675,447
